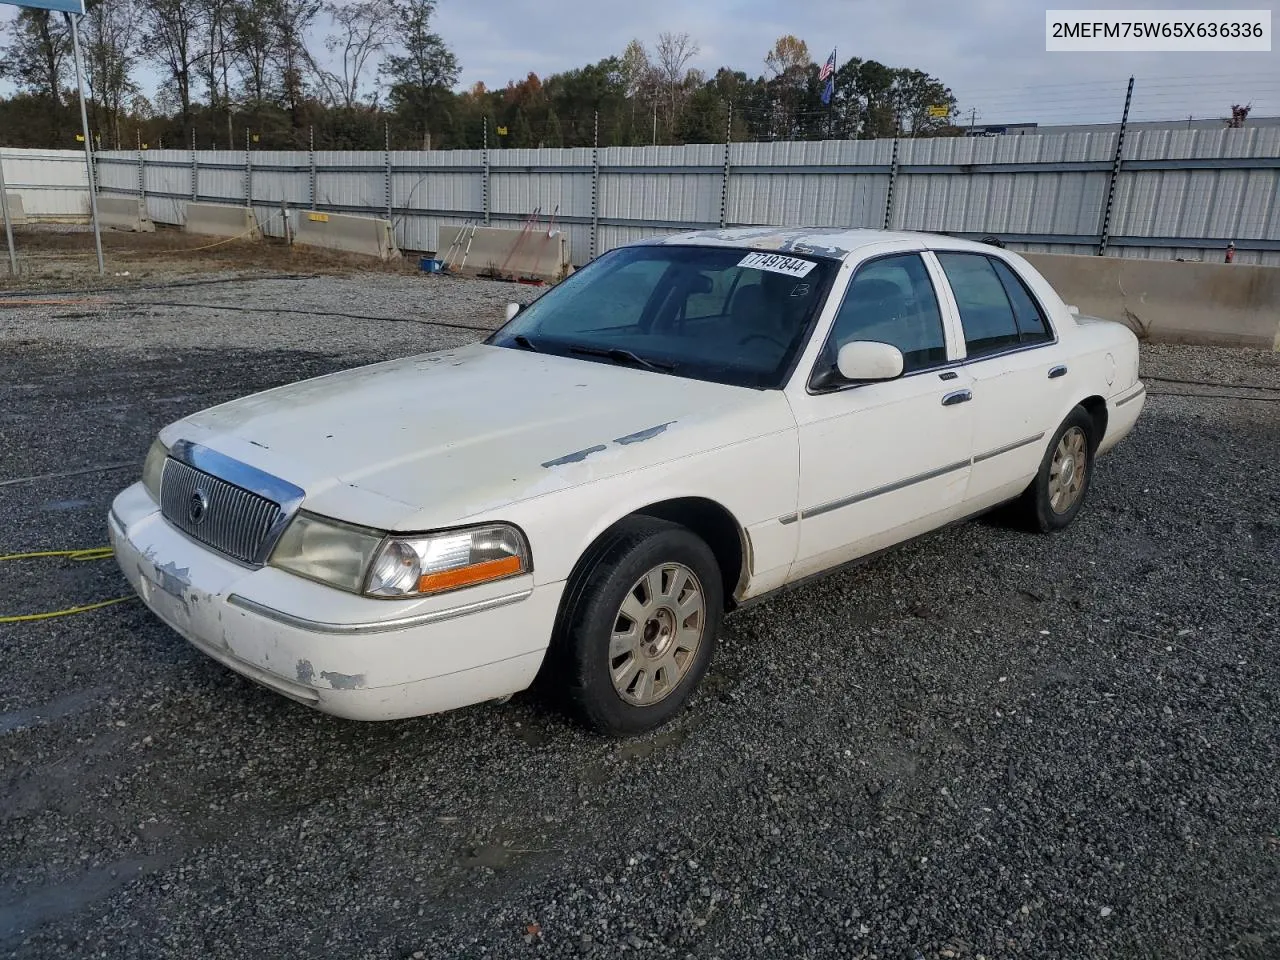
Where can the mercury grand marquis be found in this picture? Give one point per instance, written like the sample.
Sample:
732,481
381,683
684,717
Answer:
682,426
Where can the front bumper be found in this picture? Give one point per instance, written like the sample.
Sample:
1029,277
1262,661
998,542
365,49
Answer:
349,656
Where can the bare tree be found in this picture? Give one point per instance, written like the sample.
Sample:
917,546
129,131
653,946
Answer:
171,38
290,21
674,51
253,43
110,28
214,66
361,32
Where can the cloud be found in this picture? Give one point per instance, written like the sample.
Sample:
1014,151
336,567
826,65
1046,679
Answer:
990,52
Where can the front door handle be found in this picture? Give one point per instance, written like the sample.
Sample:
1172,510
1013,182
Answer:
1058,371
957,396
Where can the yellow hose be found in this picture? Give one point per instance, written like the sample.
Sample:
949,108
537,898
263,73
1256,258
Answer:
91,553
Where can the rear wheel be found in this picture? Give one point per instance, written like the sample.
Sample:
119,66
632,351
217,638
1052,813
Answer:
1059,489
639,626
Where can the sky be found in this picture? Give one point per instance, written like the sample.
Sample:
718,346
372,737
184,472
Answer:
990,52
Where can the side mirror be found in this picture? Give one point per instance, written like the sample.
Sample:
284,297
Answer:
869,360
512,310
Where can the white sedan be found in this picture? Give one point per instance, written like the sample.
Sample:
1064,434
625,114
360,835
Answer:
680,427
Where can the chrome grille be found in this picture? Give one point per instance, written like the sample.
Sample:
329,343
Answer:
230,519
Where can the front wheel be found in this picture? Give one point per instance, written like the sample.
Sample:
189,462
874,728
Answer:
1058,491
639,626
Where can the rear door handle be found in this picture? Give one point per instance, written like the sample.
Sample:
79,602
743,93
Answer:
957,396
1058,371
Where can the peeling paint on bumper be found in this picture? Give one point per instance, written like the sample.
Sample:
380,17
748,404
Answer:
398,673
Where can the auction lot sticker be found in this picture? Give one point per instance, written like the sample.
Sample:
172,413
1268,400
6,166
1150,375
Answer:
775,262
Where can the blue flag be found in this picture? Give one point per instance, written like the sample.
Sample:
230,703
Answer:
828,73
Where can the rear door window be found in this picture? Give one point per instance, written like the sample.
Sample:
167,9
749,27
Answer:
1032,326
985,311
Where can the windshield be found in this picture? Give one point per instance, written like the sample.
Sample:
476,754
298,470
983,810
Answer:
726,314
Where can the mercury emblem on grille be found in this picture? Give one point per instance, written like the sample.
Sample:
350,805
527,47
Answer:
197,506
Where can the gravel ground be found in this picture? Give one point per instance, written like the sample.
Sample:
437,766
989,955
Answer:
985,743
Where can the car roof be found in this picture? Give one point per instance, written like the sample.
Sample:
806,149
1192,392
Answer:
836,242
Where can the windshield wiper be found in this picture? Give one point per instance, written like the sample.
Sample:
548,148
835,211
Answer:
520,340
621,355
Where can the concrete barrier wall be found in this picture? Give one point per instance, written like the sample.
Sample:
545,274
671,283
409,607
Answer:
124,213
16,210
510,254
1165,301
339,231
221,220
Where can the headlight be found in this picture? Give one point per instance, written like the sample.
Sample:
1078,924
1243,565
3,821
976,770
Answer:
439,562
377,564
153,468
326,550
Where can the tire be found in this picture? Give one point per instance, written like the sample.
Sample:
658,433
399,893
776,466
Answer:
1051,503
638,626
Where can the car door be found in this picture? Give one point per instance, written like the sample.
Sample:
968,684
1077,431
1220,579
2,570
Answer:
1019,377
881,461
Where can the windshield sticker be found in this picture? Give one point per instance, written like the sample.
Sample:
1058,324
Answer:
777,263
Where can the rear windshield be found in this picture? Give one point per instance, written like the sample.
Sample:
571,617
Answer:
727,314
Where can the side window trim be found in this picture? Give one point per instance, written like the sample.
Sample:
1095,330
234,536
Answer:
1035,301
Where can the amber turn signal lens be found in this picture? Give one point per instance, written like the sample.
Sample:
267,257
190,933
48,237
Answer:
465,576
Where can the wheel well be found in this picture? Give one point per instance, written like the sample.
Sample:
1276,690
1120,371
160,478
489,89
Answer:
1096,407
715,525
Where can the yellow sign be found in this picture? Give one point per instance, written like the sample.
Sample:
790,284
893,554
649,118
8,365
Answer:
79,138
255,138
318,217
937,111
502,131
145,146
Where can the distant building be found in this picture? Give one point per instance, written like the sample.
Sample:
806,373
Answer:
1018,129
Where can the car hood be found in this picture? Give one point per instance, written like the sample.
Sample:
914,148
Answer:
437,438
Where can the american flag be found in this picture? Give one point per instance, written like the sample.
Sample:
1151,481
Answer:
829,67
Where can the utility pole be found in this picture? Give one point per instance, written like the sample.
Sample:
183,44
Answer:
73,22
973,116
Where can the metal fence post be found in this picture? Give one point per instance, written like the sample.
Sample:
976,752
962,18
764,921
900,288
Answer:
311,153
595,187
484,186
1105,235
386,130
893,176
142,176
8,223
195,169
248,171
724,177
